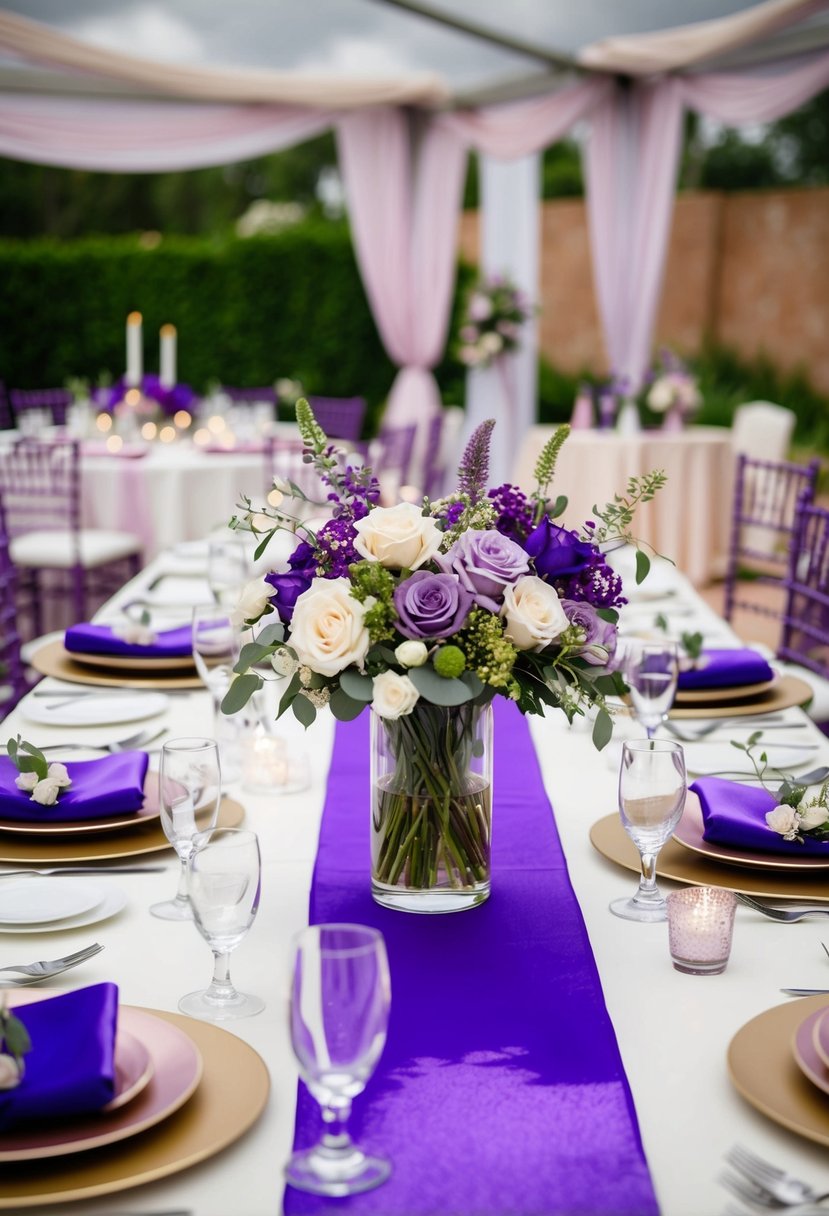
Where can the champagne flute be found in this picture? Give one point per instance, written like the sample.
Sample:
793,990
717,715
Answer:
339,1012
651,671
652,787
189,788
225,873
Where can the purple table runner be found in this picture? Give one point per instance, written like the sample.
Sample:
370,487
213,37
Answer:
501,1089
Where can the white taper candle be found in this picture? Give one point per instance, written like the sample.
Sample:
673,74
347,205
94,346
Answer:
135,353
167,363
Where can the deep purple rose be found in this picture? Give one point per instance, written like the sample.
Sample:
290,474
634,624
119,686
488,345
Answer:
599,644
485,563
557,551
288,587
431,605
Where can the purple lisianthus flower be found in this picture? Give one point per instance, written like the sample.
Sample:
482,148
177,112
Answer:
557,551
599,644
288,588
485,563
431,605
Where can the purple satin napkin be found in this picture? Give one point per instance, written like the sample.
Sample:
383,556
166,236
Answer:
110,785
500,1090
726,669
100,639
736,815
70,1069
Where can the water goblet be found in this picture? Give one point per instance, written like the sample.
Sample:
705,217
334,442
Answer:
216,644
339,1012
189,790
651,671
652,786
228,568
225,874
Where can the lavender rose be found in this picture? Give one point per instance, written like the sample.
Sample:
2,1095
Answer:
599,644
557,551
431,605
485,563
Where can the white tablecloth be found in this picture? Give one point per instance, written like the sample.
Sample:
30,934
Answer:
673,1029
688,521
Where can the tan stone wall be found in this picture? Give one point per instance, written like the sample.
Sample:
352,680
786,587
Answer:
750,270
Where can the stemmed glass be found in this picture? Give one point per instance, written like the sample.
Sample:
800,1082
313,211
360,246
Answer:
225,874
652,787
216,644
189,790
651,671
339,1012
228,568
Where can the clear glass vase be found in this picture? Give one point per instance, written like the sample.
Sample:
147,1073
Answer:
431,807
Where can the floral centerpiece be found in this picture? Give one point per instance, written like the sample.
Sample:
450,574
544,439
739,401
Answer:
495,312
674,390
152,400
426,613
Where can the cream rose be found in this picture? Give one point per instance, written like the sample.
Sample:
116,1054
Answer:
411,654
328,629
533,612
397,537
394,695
783,819
253,600
812,816
46,792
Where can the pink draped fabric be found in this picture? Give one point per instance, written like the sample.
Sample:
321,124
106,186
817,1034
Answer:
759,96
147,136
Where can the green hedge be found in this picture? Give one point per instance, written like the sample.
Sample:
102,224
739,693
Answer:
247,312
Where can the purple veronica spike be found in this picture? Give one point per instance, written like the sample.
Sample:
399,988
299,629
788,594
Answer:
473,471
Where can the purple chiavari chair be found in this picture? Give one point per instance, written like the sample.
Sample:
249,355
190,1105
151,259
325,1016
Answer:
55,400
41,488
766,496
390,454
805,637
251,396
284,462
340,417
433,471
13,682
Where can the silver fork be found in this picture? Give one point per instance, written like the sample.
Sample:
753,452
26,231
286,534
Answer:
779,1187
788,915
140,739
30,973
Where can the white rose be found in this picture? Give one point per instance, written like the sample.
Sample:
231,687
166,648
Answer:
26,781
411,654
812,816
533,613
492,344
10,1072
394,695
57,772
661,396
253,600
46,792
328,629
397,537
783,819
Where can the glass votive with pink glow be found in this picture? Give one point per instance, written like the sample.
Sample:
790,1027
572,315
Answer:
700,925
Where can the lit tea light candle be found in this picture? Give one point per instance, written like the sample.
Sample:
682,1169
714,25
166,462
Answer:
275,498
167,356
216,424
132,397
700,925
135,352
167,434
114,443
104,422
149,430
202,437
182,419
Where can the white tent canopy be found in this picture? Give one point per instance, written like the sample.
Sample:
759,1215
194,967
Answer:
405,121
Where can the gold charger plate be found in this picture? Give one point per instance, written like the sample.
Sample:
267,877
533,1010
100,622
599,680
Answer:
149,838
115,662
785,693
216,1115
716,696
610,839
54,660
689,834
763,1070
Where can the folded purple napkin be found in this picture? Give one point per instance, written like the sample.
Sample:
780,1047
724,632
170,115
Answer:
736,815
100,639
70,1069
109,785
726,669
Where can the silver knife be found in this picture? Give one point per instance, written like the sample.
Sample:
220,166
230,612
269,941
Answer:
805,991
85,870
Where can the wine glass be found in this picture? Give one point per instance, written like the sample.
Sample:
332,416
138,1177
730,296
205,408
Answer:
339,1012
651,671
225,873
228,568
216,644
652,787
189,790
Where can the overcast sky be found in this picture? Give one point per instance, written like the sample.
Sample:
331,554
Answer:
357,36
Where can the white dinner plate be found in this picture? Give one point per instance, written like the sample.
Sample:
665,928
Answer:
102,708
112,900
714,758
36,901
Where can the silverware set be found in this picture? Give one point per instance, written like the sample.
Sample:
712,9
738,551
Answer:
788,915
768,1188
33,973
140,739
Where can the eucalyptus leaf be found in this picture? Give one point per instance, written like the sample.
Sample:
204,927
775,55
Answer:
437,689
643,565
288,695
304,711
356,685
251,654
271,634
240,692
602,729
344,707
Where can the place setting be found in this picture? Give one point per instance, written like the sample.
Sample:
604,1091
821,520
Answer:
128,654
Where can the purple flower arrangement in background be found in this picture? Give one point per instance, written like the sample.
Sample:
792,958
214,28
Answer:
477,594
154,396
495,312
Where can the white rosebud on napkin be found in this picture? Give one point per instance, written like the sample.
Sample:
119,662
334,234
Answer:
57,772
134,633
46,792
26,781
11,1072
812,817
784,820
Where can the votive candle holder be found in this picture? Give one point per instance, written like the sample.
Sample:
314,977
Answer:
700,926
